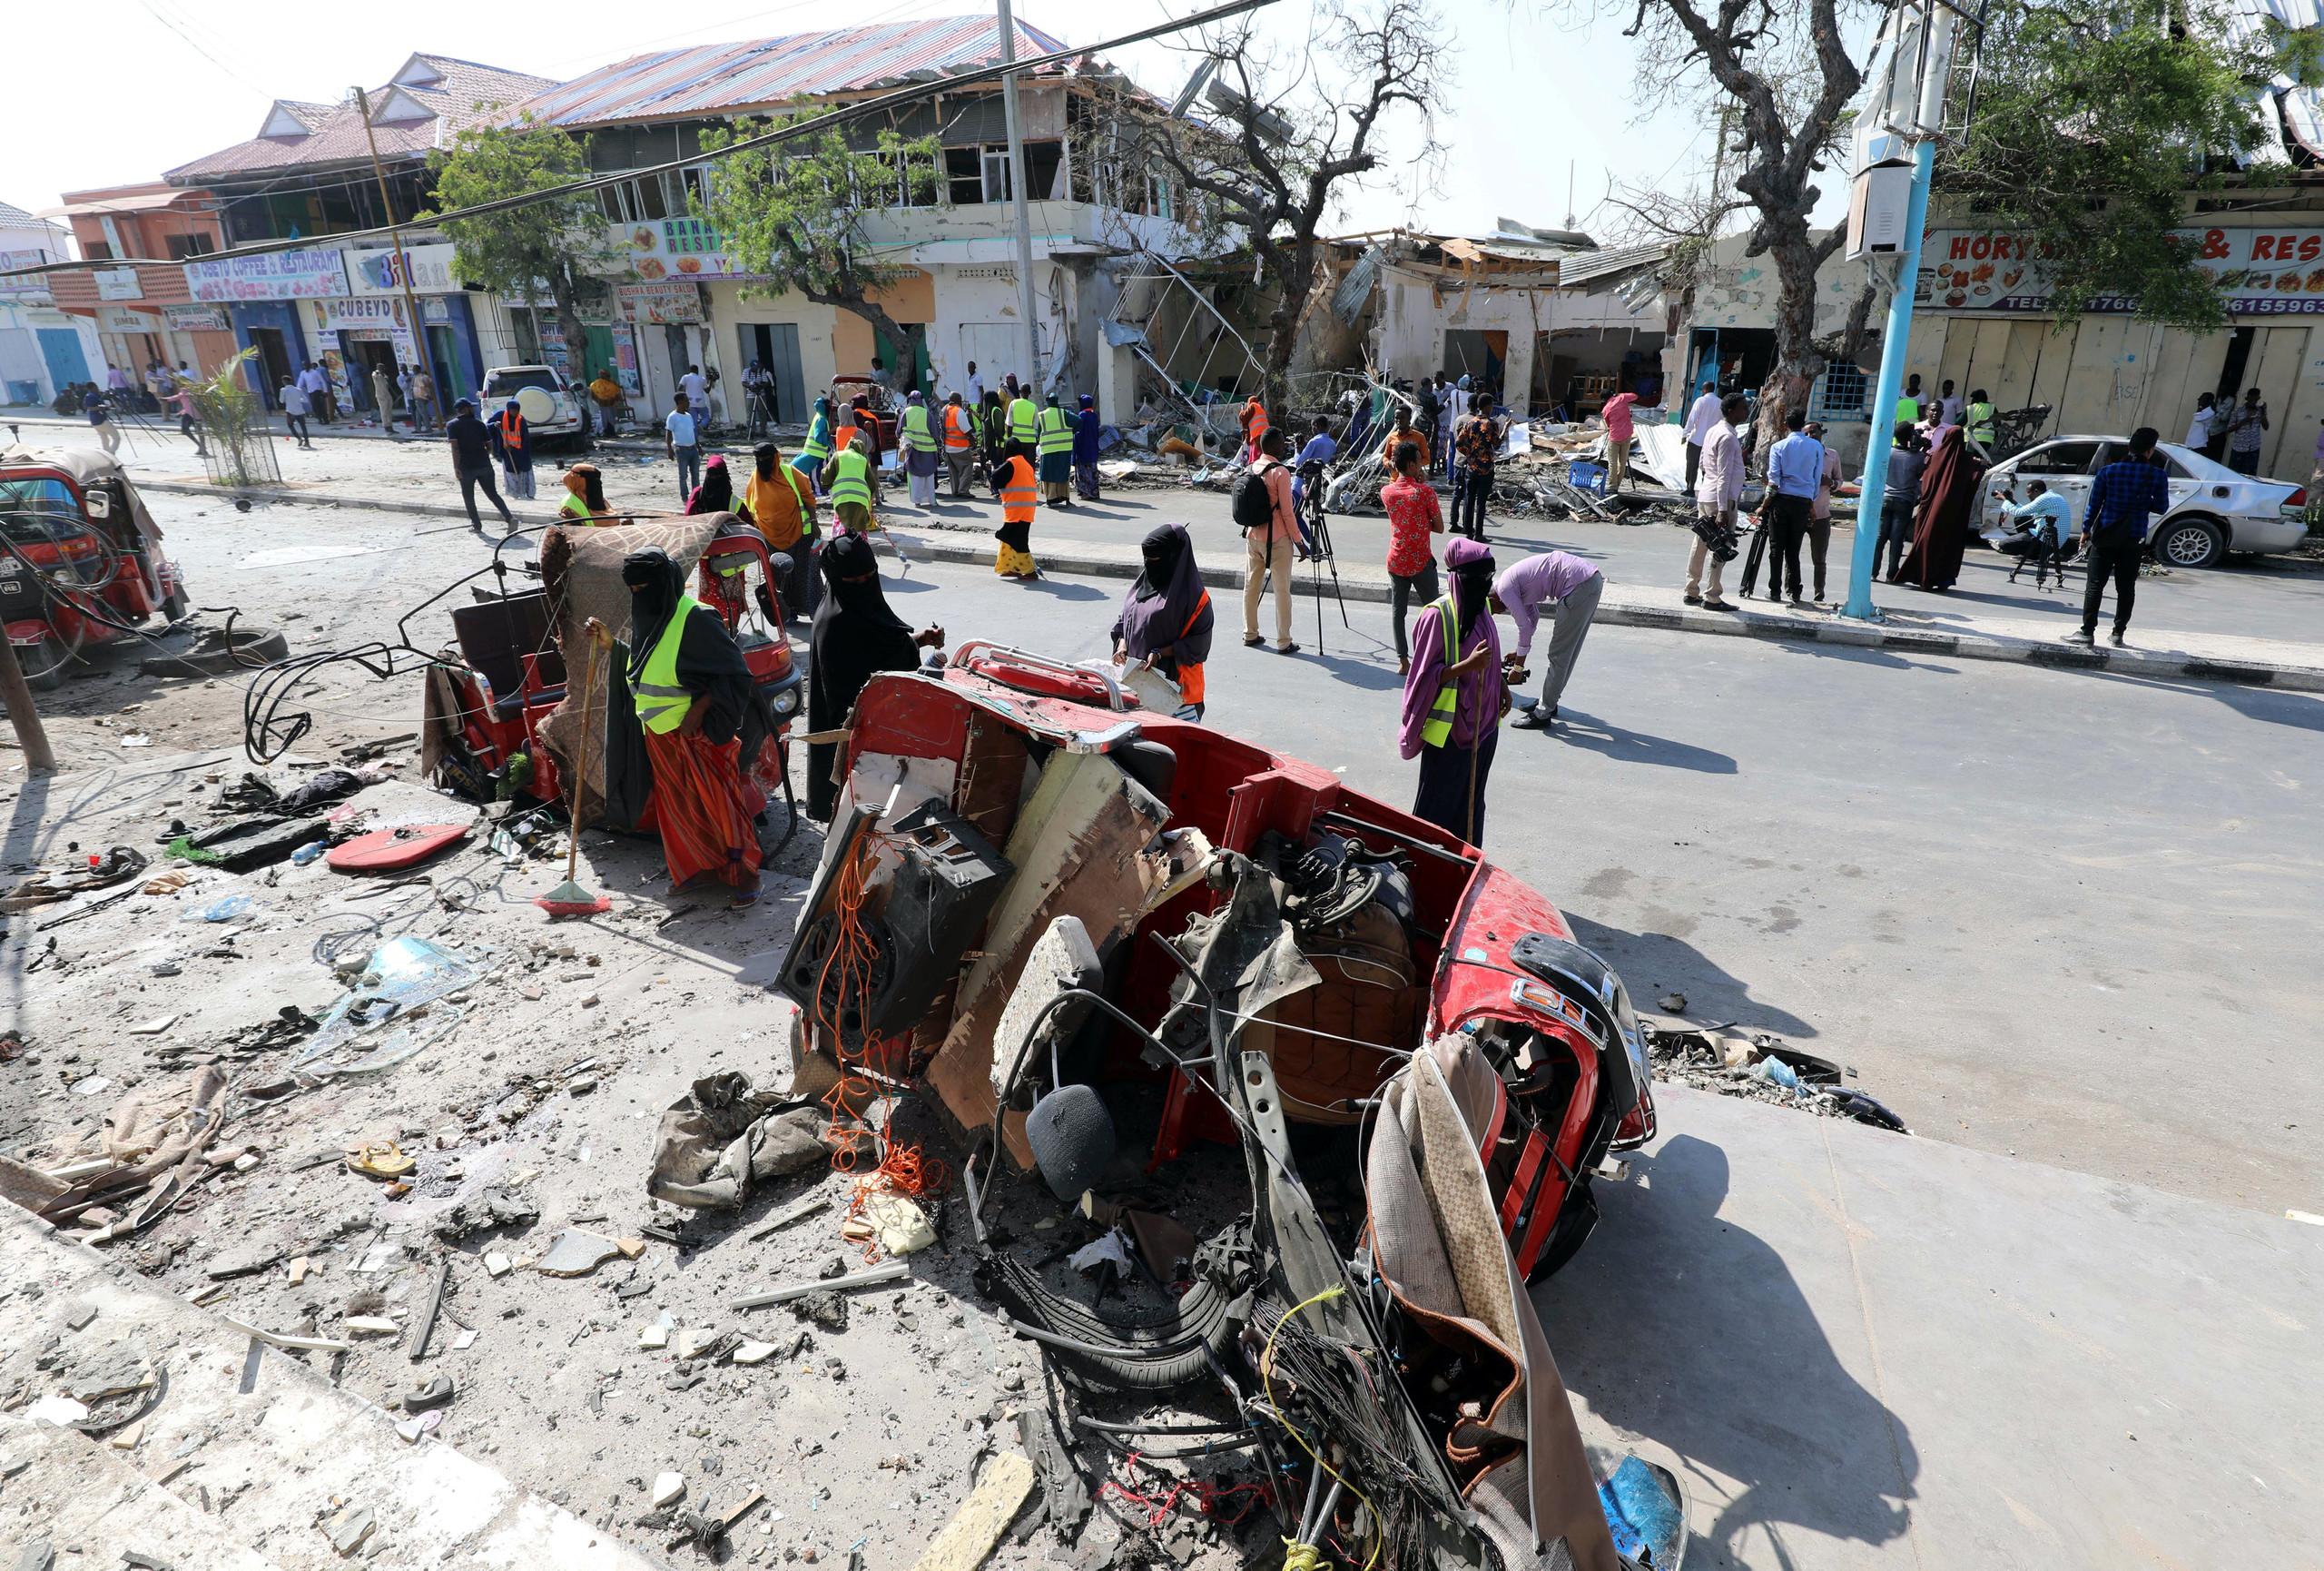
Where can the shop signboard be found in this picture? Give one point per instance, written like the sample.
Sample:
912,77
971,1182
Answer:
667,301
118,284
675,248
195,318
2277,272
384,270
377,318
315,273
31,288
118,319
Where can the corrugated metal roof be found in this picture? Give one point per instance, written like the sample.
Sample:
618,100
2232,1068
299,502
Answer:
1583,266
1348,299
16,217
336,130
766,73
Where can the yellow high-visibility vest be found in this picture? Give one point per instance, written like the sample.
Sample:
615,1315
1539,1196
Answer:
1022,420
853,481
1437,729
661,704
1056,432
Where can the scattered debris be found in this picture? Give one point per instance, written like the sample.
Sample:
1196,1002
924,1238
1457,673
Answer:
982,1517
893,1271
714,1143
1761,1067
575,1254
668,1489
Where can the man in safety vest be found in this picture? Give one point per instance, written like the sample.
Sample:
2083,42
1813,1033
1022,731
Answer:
916,444
1024,423
1055,433
702,722
1254,426
1014,476
960,435
1979,419
850,488
1455,696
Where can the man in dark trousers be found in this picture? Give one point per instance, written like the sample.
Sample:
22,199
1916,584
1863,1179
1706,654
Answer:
2123,495
472,447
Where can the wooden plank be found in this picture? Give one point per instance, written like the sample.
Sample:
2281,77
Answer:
1925,348
2167,400
1988,353
982,1517
2089,387
1959,345
2052,371
2303,416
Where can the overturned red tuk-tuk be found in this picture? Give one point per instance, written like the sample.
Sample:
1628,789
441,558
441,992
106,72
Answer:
81,558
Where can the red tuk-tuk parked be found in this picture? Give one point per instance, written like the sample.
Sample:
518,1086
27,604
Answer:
887,418
81,559
489,699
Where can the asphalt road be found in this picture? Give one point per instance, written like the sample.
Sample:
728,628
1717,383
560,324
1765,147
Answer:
2061,916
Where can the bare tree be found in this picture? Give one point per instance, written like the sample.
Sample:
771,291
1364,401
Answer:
1781,78
1279,135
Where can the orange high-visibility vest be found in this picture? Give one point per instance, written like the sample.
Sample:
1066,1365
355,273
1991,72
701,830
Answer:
956,427
843,439
1191,683
1255,419
1018,494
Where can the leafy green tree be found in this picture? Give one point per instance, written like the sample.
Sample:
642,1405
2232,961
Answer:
795,219
550,245
2093,121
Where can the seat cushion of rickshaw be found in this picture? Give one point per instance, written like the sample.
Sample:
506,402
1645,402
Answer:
511,705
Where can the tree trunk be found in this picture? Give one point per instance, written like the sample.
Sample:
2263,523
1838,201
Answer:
1798,363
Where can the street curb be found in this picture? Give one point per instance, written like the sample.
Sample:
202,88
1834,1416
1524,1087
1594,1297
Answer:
1820,628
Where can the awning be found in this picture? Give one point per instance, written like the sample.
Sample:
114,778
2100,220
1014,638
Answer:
145,201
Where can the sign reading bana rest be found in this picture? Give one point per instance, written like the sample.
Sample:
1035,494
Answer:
2261,272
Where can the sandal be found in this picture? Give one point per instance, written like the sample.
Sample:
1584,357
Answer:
1286,648
1252,643
380,1160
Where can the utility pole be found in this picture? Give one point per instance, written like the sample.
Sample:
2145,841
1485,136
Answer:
403,257
17,693
1017,200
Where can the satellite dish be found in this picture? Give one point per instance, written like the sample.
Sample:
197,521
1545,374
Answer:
535,405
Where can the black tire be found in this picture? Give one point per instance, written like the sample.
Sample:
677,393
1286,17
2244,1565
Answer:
173,604
43,664
2190,542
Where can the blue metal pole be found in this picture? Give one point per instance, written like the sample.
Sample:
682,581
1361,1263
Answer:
1893,348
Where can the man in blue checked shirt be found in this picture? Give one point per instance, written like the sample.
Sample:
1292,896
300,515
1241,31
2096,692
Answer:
1795,472
2123,495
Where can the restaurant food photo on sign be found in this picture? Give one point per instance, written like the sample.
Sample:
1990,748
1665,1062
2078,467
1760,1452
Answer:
2276,271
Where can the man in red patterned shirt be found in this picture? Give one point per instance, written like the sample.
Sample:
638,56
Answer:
1413,517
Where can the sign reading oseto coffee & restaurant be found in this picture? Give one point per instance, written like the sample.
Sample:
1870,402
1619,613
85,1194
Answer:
2263,272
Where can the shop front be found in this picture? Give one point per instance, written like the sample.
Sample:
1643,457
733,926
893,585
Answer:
448,327
261,295
668,332
355,337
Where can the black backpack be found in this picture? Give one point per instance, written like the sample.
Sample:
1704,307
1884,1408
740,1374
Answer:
1253,508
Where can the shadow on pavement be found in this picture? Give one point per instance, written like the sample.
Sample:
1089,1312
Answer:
1679,1326
1585,730
1356,671
2277,707
1653,964
1057,588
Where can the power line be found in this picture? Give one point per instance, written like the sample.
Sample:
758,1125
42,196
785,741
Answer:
813,125
154,12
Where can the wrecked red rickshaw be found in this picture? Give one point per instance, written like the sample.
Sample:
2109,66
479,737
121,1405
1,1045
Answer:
1112,946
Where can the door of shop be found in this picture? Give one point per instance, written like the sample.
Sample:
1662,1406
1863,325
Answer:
273,362
364,357
60,348
775,345
598,355
451,372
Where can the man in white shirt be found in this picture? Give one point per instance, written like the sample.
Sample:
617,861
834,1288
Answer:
698,392
1718,489
1948,404
2198,424
317,387
683,446
976,387
1701,415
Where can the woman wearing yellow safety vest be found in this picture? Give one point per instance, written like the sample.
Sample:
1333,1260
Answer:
1056,439
679,680
1013,479
916,439
1455,696
960,444
851,486
818,449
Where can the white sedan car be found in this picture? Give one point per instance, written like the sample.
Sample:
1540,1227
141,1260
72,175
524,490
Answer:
2213,509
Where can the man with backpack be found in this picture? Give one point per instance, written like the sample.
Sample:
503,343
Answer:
1264,511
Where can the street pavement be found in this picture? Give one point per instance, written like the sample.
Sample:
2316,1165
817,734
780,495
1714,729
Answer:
2059,923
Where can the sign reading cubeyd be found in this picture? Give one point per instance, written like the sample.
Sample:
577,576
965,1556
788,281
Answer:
427,268
315,274
2261,272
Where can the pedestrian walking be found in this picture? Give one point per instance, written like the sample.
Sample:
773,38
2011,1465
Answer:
959,446
471,442
2245,430
2199,423
1794,473
1413,518
1455,697
1086,432
293,399
781,505
1572,587
1820,512
1013,557
585,498
1701,415
189,425
383,398
1941,523
99,409
1477,443
1621,426
2045,535
2123,495
512,433
1719,490
682,444
849,486
423,401
315,383
1263,509
1166,621
856,637
816,451
916,439
1899,495
1054,434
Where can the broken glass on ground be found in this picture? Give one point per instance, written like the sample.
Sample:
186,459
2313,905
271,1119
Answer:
399,1005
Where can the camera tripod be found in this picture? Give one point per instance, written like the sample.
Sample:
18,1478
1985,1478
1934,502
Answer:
1321,555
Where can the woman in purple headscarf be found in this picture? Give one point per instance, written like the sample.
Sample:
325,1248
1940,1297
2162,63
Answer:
1455,696
1166,621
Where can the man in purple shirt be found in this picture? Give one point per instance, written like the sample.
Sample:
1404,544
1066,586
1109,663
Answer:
1557,578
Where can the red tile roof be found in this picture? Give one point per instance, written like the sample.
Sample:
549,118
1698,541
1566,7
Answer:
724,78
335,131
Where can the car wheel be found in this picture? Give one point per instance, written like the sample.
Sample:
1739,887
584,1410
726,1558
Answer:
2194,542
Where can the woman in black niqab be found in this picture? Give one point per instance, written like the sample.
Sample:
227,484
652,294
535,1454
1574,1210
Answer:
1166,621
856,637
